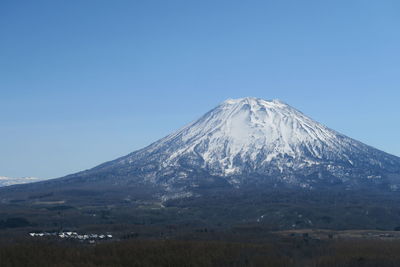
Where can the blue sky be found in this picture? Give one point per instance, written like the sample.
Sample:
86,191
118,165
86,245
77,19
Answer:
83,82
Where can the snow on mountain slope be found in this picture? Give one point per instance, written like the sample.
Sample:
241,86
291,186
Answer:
6,181
255,130
250,136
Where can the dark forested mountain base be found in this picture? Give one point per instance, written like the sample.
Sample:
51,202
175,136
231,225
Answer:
217,209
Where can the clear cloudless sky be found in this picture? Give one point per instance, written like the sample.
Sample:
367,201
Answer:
83,82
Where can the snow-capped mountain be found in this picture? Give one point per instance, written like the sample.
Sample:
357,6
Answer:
246,160
6,181
246,138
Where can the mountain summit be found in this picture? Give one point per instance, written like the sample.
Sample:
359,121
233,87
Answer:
252,140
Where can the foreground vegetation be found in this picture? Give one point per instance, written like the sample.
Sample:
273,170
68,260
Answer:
293,252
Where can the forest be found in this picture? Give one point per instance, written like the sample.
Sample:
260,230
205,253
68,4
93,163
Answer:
274,253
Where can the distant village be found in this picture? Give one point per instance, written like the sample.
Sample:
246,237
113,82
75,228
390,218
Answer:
91,238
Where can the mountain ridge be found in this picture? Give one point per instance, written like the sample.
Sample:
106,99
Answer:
241,143
8,181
